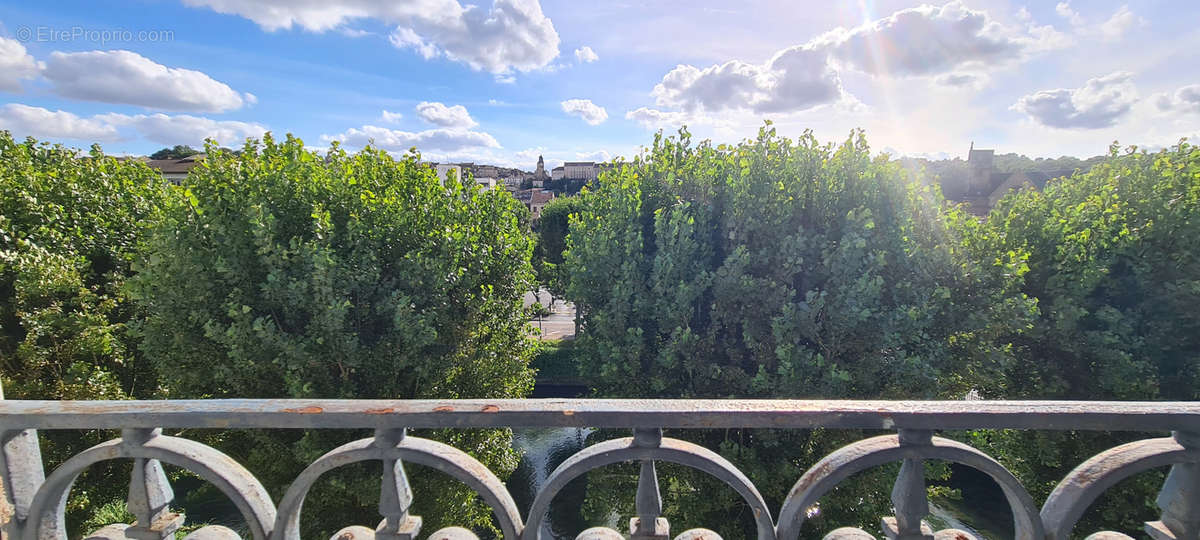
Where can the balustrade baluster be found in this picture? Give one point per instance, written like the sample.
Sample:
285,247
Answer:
909,495
33,502
21,474
649,523
150,493
1179,498
395,495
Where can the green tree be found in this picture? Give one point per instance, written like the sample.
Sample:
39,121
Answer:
70,226
180,151
1020,163
552,228
283,273
780,268
1114,260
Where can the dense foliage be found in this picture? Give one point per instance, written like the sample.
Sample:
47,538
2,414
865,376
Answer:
69,229
1114,258
552,229
771,268
179,151
282,273
780,268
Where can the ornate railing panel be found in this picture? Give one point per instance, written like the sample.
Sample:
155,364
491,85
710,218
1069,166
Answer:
33,501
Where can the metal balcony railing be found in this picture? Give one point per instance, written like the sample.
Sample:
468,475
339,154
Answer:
34,501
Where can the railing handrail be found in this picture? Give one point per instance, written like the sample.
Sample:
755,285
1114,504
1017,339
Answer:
602,413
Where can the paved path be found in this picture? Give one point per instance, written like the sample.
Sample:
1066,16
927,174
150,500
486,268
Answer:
560,324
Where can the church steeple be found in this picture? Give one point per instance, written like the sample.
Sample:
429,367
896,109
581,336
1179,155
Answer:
540,173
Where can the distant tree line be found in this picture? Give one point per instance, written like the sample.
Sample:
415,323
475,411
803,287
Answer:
951,174
179,151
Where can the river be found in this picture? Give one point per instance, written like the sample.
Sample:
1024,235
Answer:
543,449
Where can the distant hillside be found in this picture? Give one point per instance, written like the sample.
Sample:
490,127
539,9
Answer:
951,174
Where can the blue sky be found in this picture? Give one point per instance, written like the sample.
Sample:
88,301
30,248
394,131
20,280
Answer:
506,80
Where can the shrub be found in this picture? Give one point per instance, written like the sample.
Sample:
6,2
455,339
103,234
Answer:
283,273
1114,261
70,225
780,269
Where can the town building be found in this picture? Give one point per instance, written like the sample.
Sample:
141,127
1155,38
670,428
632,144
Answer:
487,171
580,170
558,173
444,169
985,187
535,200
487,182
539,174
175,170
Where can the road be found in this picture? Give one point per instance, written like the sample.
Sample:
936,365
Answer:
560,324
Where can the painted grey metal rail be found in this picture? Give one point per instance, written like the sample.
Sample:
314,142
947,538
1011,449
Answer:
33,499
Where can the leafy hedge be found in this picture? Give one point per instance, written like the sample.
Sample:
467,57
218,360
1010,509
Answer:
788,268
282,273
70,226
779,268
1114,260
770,268
274,272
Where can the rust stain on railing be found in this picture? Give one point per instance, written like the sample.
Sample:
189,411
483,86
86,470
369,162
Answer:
21,467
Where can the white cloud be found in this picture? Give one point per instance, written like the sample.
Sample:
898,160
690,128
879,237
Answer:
1099,103
584,108
15,65
1064,10
964,80
597,155
129,78
428,141
1186,99
325,15
928,40
950,41
794,79
1120,23
512,35
24,120
406,38
390,117
1111,29
159,128
654,118
527,158
185,129
447,117
585,55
